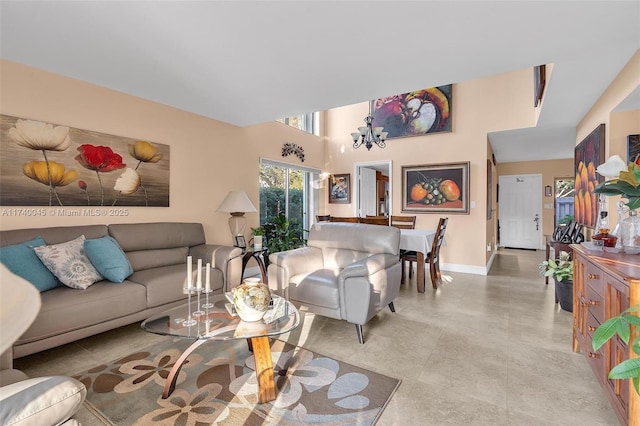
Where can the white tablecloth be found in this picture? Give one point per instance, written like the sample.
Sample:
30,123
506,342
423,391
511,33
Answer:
417,240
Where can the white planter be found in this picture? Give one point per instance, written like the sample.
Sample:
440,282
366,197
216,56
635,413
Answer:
257,242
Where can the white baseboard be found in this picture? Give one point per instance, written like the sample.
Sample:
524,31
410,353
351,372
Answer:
466,269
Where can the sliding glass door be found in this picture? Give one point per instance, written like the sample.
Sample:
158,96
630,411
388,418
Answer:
290,190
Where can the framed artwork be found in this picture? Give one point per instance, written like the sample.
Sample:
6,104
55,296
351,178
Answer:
240,241
589,154
415,113
489,190
436,188
539,81
633,148
340,189
46,164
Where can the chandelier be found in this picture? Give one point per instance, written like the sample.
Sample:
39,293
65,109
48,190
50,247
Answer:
368,135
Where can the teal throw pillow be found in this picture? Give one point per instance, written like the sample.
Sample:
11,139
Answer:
23,261
108,258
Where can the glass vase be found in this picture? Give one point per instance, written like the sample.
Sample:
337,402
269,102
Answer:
630,230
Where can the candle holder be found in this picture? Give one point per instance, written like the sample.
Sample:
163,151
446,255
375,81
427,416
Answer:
189,321
207,304
199,312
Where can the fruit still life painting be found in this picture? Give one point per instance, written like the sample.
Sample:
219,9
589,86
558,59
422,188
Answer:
436,188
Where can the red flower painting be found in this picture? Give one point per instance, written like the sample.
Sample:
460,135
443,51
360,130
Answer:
101,159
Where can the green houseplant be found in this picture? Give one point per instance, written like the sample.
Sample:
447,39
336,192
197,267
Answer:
280,234
562,272
621,325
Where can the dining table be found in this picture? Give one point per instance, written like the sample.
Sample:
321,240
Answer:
420,241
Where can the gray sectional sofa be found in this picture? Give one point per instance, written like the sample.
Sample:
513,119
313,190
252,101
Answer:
157,253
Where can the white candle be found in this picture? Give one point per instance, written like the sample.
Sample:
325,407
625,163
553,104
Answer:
208,278
199,283
189,271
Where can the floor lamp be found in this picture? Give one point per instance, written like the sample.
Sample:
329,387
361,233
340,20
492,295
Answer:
237,203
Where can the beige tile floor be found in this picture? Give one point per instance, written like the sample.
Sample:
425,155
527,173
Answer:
481,350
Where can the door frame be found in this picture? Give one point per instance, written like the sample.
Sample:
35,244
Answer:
371,164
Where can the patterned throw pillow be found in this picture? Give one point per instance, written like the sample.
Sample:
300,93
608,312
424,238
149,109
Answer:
69,262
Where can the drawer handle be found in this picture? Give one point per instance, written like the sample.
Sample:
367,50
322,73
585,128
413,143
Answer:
594,276
594,355
591,328
593,303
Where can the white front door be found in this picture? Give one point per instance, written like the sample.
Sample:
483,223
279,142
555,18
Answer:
520,216
368,190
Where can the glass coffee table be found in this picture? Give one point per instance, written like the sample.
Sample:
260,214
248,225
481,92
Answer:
217,323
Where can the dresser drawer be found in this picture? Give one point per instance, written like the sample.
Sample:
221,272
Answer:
595,304
596,358
594,278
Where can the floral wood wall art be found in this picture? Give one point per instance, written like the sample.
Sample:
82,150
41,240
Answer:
292,148
44,164
415,113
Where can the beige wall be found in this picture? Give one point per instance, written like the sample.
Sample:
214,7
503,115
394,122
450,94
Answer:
208,157
494,103
550,170
618,125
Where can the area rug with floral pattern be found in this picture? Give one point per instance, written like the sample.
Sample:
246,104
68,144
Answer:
217,385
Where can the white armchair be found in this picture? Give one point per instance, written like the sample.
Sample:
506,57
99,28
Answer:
347,271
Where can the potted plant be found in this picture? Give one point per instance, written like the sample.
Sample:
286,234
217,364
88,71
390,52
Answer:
562,272
258,233
280,234
621,325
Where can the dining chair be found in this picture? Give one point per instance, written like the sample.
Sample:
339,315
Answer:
433,257
375,220
344,219
323,218
403,222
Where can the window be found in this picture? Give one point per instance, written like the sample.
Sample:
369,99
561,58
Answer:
564,193
288,189
307,122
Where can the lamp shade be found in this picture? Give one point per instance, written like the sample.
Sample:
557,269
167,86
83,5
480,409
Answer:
19,306
236,202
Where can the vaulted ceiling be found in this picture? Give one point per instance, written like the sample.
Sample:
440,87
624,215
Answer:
247,62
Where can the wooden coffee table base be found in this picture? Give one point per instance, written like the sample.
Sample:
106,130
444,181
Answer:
264,369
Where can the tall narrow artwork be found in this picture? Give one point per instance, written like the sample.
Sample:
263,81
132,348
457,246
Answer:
633,149
415,113
589,154
45,164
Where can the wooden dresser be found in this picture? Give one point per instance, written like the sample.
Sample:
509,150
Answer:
604,285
